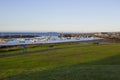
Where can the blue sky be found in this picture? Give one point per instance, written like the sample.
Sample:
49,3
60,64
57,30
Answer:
60,15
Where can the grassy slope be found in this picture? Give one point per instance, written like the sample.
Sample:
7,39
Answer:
18,49
87,62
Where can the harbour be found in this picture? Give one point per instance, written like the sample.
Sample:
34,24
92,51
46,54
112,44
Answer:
40,38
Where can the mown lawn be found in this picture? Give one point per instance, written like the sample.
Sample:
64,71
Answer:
85,62
32,48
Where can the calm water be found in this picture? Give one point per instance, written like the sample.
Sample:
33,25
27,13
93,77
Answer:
41,40
29,33
44,37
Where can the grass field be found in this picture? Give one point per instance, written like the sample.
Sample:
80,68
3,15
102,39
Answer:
79,62
30,48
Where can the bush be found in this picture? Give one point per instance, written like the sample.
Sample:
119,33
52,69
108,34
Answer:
51,46
96,43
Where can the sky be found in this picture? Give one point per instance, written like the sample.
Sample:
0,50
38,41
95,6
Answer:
60,15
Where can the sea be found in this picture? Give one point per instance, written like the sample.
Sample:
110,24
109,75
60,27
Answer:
29,33
42,38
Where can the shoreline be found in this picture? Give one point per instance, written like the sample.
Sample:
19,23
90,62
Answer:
57,42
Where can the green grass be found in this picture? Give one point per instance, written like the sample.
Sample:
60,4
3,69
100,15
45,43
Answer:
85,62
31,48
